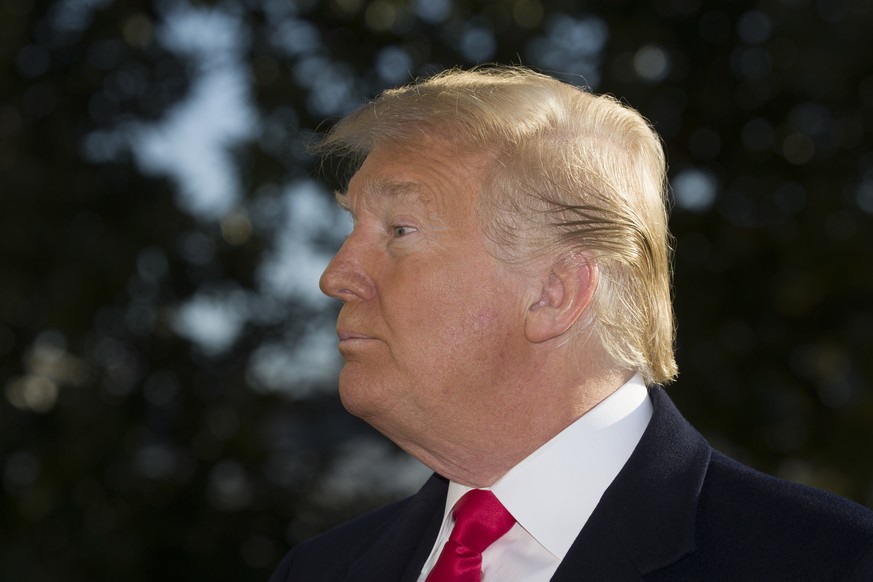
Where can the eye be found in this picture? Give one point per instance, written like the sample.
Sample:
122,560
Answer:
400,231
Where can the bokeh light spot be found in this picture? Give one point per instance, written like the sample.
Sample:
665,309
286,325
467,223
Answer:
527,13
754,27
652,63
752,62
434,11
478,43
380,15
138,30
236,228
346,8
694,189
33,61
229,486
393,64
33,393
798,148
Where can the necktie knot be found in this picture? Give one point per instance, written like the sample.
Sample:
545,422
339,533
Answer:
480,519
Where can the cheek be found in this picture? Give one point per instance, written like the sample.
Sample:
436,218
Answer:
466,336
457,311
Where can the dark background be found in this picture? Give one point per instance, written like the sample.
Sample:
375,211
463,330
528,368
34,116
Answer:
167,372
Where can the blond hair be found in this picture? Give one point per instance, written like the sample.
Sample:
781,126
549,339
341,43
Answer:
573,173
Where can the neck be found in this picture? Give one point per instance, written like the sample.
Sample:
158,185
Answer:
480,454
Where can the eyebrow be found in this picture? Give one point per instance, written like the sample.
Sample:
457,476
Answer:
390,189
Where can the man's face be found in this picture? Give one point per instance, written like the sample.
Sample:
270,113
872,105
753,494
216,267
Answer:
431,325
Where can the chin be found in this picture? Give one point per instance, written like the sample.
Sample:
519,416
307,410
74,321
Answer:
354,405
374,400
360,397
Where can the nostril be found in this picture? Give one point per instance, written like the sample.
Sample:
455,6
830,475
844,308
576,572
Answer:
343,280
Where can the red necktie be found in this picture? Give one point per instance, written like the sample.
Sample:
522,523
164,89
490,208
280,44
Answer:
479,520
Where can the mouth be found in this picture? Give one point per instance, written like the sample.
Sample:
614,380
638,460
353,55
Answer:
351,342
345,336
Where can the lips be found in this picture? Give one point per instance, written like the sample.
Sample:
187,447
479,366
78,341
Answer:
352,342
349,330
351,335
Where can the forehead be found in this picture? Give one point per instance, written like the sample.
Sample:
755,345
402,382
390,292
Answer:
425,174
395,189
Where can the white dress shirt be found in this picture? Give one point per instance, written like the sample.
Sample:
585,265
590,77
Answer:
554,491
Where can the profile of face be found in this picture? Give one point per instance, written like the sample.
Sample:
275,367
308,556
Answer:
432,326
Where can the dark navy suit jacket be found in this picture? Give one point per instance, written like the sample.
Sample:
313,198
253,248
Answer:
677,511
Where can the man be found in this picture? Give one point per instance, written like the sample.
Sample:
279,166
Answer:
506,304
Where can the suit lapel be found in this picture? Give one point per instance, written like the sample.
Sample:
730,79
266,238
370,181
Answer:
597,555
399,552
645,519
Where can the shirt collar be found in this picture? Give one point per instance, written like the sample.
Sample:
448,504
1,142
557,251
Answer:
552,492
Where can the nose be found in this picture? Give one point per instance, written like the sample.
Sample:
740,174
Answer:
346,277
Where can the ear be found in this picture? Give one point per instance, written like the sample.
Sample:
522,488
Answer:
566,292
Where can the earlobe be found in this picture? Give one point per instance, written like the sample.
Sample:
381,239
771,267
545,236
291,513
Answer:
566,293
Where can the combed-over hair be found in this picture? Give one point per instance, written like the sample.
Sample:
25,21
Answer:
573,174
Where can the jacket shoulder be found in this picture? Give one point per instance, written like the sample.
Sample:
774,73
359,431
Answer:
770,501
747,519
328,555
384,544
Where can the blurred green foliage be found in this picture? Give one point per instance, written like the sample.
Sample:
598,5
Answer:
135,447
